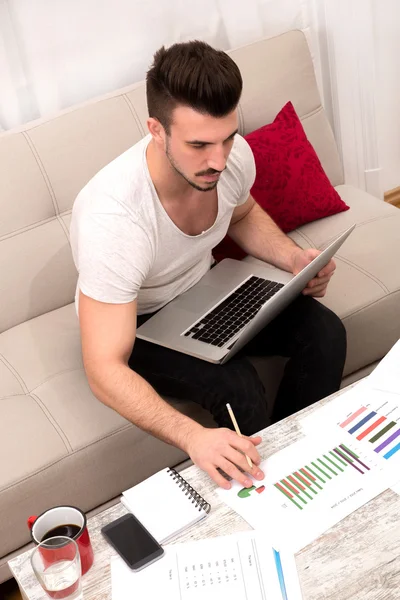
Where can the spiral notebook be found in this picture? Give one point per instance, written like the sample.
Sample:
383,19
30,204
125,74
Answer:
165,504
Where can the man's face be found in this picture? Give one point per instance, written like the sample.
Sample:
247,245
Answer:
199,145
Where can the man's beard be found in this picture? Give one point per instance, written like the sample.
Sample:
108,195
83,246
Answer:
209,187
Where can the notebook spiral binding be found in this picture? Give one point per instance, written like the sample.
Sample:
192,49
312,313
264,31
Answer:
191,493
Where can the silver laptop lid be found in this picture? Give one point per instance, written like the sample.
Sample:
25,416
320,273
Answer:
285,295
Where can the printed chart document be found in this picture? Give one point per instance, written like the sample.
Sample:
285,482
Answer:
380,391
396,487
368,413
386,376
234,567
310,486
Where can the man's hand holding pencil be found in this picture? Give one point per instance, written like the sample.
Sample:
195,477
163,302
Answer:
213,449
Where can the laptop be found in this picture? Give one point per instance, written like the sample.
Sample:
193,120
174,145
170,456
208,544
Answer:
215,318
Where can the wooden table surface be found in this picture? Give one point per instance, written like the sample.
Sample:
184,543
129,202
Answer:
358,559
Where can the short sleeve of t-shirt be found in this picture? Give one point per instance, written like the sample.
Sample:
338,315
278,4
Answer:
247,168
113,257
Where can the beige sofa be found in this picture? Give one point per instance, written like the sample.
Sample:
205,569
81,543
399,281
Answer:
58,444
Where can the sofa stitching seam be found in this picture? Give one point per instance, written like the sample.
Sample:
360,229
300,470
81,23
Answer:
312,113
134,114
304,236
17,483
362,223
14,371
375,219
54,376
356,267
7,396
16,232
43,171
364,272
67,111
53,422
363,308
64,228
358,225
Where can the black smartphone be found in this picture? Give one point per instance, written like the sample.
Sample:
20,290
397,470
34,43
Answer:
133,542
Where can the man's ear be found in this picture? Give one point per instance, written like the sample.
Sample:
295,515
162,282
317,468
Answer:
156,130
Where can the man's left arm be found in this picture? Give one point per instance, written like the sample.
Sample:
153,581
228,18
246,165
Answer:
258,235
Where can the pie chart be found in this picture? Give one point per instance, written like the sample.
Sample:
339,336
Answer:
247,492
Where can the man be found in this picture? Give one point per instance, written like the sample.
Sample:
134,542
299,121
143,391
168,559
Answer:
142,233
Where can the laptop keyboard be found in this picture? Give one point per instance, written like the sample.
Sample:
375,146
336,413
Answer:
232,314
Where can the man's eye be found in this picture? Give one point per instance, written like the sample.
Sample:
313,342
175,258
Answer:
198,145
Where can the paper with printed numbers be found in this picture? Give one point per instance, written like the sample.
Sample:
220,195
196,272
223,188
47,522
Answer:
234,567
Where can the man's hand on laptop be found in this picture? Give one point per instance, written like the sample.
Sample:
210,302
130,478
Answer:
317,286
222,448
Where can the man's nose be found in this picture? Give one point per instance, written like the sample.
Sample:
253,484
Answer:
217,159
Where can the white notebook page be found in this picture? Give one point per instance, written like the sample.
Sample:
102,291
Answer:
162,505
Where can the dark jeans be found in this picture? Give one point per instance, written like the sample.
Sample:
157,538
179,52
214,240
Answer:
306,332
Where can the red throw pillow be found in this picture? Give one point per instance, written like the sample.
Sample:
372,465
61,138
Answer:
290,183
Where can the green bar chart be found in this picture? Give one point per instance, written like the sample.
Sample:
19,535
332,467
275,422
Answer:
310,480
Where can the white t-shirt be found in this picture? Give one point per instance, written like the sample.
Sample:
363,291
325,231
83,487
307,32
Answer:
124,244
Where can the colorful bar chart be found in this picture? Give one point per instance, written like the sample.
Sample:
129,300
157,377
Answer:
379,430
303,485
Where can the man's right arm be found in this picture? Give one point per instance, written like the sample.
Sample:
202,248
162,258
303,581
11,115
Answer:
108,334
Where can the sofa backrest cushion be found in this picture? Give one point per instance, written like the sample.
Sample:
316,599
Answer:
42,168
44,164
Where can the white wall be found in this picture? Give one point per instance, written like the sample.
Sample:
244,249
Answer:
387,44
55,53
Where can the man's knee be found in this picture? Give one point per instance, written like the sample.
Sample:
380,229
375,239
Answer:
241,387
327,333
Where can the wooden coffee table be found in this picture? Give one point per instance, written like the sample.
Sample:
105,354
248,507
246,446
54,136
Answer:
358,559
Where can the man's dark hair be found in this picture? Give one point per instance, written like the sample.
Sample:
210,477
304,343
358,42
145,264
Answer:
192,74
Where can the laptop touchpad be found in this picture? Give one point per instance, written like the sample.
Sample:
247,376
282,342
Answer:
200,297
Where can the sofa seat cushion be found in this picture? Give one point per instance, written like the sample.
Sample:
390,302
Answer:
365,289
58,443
